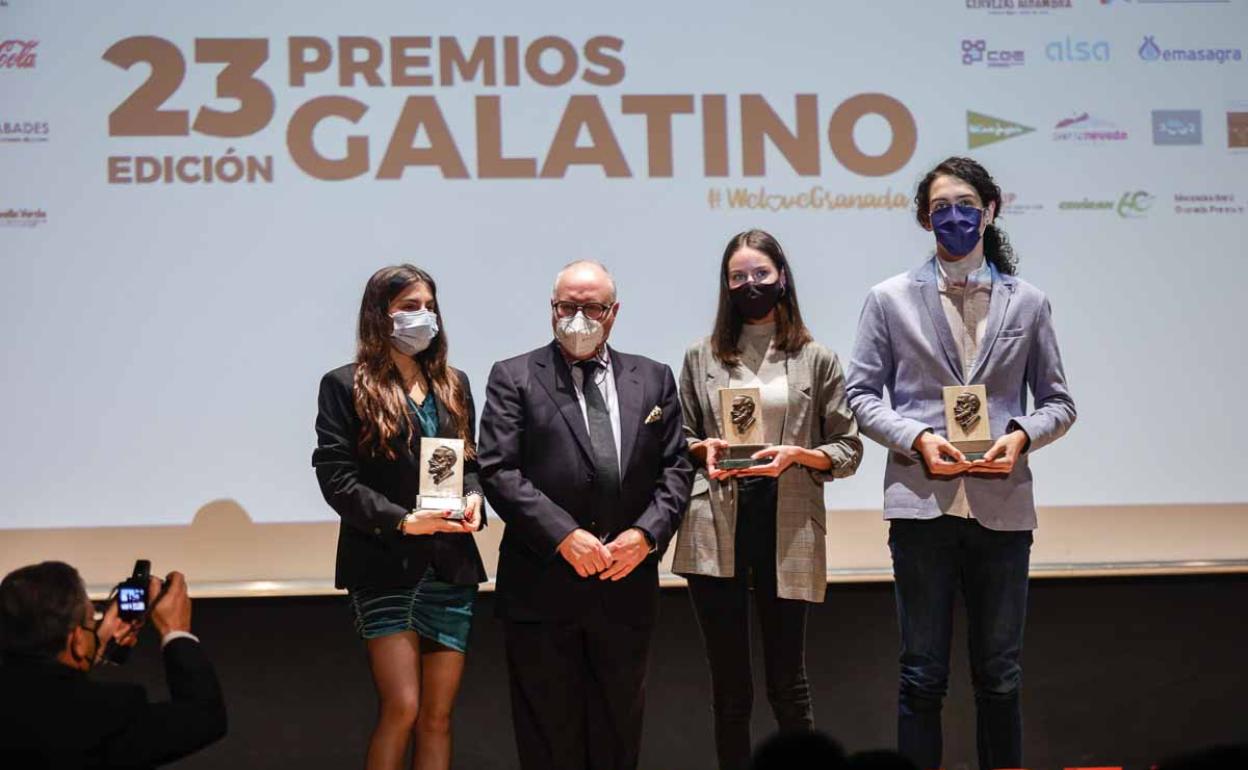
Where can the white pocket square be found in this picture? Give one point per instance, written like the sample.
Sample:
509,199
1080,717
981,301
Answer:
655,415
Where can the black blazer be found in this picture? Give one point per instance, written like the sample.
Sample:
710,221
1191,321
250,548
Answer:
372,494
538,471
52,716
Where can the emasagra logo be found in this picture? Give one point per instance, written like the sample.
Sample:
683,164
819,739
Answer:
985,129
1150,51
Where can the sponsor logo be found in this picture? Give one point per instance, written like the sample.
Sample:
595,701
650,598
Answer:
1237,129
18,54
1075,51
978,52
15,217
1086,128
1133,204
1150,51
1176,127
1012,206
1215,204
984,129
1018,7
14,131
1166,2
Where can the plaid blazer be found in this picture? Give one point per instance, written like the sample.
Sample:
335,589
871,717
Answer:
818,417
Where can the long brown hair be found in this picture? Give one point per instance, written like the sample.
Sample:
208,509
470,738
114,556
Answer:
791,332
380,399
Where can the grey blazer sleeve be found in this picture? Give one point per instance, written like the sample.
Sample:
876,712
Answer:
836,429
871,370
690,405
1054,412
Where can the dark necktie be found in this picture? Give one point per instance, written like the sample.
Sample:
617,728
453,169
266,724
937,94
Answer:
601,437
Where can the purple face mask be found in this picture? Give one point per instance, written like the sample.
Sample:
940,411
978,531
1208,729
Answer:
957,228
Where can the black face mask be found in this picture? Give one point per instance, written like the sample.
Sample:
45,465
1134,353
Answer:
755,300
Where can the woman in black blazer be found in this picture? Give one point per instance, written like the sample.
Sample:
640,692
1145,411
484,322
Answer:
411,575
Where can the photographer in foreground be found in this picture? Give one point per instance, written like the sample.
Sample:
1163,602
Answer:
52,715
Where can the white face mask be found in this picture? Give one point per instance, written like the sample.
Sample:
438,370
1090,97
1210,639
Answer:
579,336
414,330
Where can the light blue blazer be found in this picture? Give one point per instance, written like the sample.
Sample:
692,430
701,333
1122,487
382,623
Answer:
904,346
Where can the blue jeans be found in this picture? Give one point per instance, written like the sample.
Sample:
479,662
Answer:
932,559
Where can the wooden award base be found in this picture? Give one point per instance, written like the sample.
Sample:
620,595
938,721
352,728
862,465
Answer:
973,450
739,457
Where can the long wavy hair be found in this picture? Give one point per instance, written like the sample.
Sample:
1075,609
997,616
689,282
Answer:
791,332
997,248
380,400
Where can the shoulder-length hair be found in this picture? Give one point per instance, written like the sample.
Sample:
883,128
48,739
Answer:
997,248
791,333
380,400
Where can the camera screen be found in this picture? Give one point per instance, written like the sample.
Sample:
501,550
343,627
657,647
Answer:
131,599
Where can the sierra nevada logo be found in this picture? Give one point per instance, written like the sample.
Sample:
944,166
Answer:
984,129
1087,128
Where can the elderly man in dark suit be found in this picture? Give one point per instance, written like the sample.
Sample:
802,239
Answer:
582,455
53,716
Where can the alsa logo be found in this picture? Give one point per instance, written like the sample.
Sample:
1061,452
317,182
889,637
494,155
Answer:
18,54
1077,50
984,129
978,52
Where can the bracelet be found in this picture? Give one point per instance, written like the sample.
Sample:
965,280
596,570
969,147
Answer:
407,517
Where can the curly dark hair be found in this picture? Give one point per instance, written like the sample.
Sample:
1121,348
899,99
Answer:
997,248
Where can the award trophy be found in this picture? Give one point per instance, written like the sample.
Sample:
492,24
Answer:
966,419
442,476
742,411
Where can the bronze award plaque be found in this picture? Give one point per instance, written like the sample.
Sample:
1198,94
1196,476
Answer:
966,419
442,476
741,410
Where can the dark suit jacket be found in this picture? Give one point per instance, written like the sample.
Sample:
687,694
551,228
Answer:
538,472
54,717
372,494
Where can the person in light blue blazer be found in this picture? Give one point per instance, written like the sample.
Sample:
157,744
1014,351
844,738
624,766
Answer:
961,317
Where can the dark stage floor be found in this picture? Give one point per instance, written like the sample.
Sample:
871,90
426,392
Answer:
1118,672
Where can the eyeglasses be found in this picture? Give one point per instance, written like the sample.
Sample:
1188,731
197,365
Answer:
594,311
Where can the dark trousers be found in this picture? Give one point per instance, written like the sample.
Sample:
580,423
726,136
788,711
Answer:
723,609
577,692
932,560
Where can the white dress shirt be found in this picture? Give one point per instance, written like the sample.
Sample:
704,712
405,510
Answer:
766,368
965,290
604,379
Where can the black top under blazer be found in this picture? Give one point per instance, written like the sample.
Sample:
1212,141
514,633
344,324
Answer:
538,472
373,494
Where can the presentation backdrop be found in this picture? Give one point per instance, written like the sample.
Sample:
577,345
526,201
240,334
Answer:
193,195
